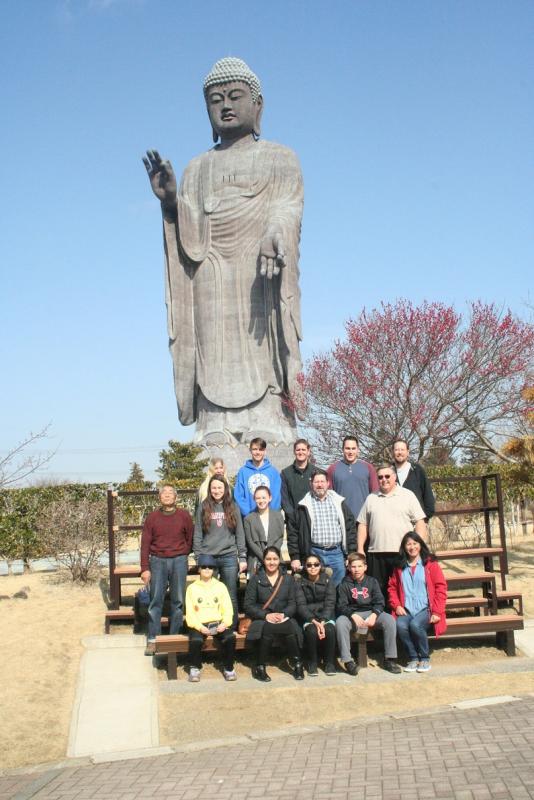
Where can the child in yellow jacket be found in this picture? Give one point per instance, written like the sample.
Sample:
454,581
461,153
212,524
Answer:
209,612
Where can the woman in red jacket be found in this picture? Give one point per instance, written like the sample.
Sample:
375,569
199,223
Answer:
417,592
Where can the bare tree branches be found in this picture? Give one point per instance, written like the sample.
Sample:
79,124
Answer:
20,462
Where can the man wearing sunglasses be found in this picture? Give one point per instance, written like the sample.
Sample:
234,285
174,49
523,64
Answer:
384,519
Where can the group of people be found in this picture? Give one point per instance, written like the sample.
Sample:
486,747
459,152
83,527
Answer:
356,539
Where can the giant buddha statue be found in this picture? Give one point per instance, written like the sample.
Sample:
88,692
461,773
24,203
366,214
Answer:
231,239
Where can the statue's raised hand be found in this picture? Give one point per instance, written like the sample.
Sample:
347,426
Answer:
272,255
162,178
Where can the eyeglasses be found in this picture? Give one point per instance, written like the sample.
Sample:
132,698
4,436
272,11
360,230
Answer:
384,477
312,564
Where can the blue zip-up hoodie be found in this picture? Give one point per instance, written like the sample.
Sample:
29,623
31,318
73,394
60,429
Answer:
249,478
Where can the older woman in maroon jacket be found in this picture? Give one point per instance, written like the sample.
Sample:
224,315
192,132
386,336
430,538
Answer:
417,592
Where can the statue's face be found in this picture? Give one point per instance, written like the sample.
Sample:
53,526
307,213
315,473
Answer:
231,110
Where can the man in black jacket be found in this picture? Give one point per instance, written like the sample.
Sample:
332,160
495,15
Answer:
296,482
412,476
326,527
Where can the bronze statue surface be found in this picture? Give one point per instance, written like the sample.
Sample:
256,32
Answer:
231,236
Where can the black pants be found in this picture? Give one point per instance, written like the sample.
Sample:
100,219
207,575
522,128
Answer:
381,566
226,641
312,643
280,630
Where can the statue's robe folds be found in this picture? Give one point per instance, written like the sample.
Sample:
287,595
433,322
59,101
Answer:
233,334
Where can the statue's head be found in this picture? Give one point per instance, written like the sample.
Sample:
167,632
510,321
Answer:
233,99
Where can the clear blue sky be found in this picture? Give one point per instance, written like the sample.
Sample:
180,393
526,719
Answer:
414,124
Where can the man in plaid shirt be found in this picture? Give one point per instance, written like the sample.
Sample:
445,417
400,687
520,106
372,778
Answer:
325,527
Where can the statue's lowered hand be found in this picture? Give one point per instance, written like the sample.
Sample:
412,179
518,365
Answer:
162,178
272,255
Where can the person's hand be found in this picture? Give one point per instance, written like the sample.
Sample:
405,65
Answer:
360,622
272,255
242,566
371,620
434,618
221,627
320,628
274,618
400,611
205,631
162,178
145,577
296,566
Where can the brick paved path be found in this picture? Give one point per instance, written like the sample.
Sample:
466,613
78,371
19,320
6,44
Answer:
486,753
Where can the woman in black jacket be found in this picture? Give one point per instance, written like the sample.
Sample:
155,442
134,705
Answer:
270,601
316,605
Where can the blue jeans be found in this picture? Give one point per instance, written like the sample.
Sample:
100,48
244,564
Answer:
412,631
335,559
228,570
171,572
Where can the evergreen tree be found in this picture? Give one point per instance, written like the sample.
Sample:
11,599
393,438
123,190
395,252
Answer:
136,477
180,464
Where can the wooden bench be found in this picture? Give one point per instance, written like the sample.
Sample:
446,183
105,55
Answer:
178,644
503,625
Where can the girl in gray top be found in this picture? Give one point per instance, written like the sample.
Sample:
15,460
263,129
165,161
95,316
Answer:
219,533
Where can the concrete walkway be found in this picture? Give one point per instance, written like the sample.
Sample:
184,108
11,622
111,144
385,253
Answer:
116,705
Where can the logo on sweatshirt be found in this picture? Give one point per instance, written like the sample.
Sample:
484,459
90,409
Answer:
218,518
258,479
357,593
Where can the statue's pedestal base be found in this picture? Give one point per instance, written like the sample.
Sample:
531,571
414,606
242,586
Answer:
280,455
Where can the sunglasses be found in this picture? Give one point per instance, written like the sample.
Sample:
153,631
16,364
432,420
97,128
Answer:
312,564
206,567
384,477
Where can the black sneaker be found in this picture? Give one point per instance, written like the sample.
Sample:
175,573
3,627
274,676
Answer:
351,668
330,669
392,666
312,670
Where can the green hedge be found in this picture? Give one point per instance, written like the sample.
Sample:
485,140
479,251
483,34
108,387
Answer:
517,484
21,508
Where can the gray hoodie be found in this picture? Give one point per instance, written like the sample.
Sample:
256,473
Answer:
220,540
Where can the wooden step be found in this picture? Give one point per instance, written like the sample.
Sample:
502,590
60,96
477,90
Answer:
127,571
455,578
470,552
466,602
508,596
114,614
465,509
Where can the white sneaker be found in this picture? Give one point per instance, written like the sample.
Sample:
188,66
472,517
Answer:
424,665
411,666
194,675
229,675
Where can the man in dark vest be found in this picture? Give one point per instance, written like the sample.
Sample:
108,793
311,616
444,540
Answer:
296,482
412,476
